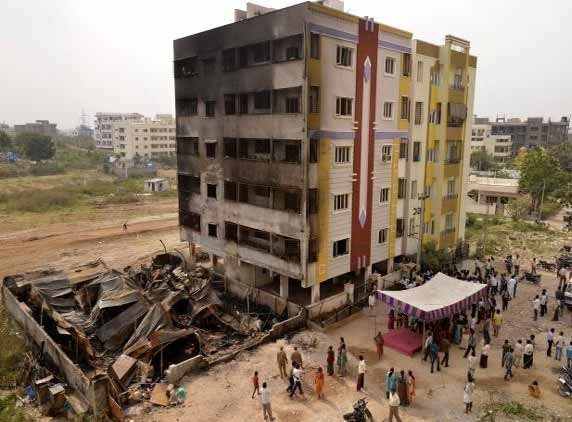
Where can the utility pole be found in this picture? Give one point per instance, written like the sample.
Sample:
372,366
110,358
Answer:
421,210
541,200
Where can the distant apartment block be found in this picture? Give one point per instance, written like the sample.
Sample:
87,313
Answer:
308,141
43,127
103,132
148,138
482,139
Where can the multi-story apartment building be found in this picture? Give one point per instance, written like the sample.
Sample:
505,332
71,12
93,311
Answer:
313,146
147,138
482,139
103,131
43,127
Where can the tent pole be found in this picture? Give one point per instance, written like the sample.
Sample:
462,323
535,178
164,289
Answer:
423,348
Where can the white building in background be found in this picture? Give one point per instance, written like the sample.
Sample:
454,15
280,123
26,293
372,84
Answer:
482,139
148,138
103,133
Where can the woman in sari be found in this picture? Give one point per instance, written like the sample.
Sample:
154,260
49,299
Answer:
402,389
410,387
391,320
342,360
319,381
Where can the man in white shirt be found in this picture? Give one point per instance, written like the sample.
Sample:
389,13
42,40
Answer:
361,374
561,277
494,285
265,401
536,306
543,302
394,403
511,287
297,378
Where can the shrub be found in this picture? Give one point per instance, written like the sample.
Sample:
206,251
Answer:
46,169
39,201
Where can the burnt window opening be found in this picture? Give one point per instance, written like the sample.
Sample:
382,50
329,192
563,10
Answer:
188,183
243,56
210,149
229,104
262,146
292,105
242,193
231,231
313,250
261,52
186,68
188,146
314,150
186,107
212,230
314,45
292,53
243,104
313,201
292,250
191,220
263,191
292,153
229,60
230,191
209,66
230,150
399,227
210,108
292,201
262,100
211,190
341,247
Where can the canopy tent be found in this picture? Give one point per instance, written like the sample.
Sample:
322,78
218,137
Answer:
438,298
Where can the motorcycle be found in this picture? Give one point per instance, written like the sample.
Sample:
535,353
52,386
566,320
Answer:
565,382
360,413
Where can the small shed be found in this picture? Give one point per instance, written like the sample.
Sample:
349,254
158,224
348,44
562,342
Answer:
156,185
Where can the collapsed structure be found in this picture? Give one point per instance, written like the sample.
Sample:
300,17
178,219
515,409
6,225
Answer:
111,335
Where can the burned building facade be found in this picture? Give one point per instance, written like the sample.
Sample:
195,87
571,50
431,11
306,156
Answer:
309,140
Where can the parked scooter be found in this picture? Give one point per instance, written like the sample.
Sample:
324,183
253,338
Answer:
565,382
360,414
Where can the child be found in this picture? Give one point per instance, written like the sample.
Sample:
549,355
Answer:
255,383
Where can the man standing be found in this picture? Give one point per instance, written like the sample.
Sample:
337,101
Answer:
445,346
543,302
434,351
561,277
282,361
511,286
536,306
505,348
559,346
296,357
494,285
394,403
569,355
505,299
516,263
550,341
486,329
471,344
428,342
297,378
330,359
361,374
518,351
265,401
497,322
508,361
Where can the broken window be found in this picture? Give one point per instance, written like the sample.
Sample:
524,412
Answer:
416,151
291,201
210,108
186,68
292,105
230,191
191,220
212,230
243,192
263,191
230,231
211,190
188,146
262,146
230,147
261,52
243,104
186,107
314,150
211,149
229,60
262,100
292,153
313,201
341,247
209,66
399,227
292,53
189,183
229,104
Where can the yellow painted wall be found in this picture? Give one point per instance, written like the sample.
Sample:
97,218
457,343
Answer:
323,210
393,199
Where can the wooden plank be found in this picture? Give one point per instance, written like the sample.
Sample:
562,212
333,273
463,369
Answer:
159,395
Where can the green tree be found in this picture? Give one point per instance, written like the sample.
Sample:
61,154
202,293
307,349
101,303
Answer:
482,161
35,146
540,174
5,141
518,207
562,153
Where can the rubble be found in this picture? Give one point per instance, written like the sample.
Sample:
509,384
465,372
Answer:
111,337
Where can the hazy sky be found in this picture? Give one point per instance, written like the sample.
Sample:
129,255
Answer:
59,56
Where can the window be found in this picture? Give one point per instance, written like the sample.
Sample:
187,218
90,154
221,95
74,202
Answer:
390,66
449,222
209,66
406,64
228,60
419,71
263,191
453,151
401,188
342,155
210,108
188,146
230,147
292,153
262,100
262,146
211,191
344,106
314,150
292,105
230,231
211,149
261,52
341,202
344,56
243,104
399,228
292,53
416,151
388,110
418,112
435,76
314,99
314,45
403,148
382,236
212,229
313,201
229,104
411,230
451,187
437,154
384,195
193,106
405,108
230,191
341,247
386,153
292,201
413,189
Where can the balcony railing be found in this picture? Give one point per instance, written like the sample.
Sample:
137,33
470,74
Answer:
448,231
450,196
453,160
457,86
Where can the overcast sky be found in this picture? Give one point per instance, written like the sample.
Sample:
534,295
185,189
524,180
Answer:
59,56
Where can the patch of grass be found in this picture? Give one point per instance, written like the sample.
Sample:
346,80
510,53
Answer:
518,410
39,201
8,410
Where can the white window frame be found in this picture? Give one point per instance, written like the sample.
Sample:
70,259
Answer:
388,190
349,155
341,200
340,56
392,109
420,69
383,236
385,156
394,65
339,107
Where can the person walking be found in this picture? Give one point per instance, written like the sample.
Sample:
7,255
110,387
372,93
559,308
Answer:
297,378
391,320
445,346
505,297
508,362
390,382
255,384
550,341
497,322
330,359
265,402
505,348
533,266
402,389
511,286
394,403
410,387
536,307
342,361
434,353
472,364
485,350
296,357
428,342
559,346
569,356
472,343
282,361
543,303
494,285
518,351
319,381
379,344
468,394
516,264
486,329
528,357
561,277
361,374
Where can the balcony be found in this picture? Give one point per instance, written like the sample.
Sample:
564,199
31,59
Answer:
264,172
455,132
447,237
451,168
449,203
